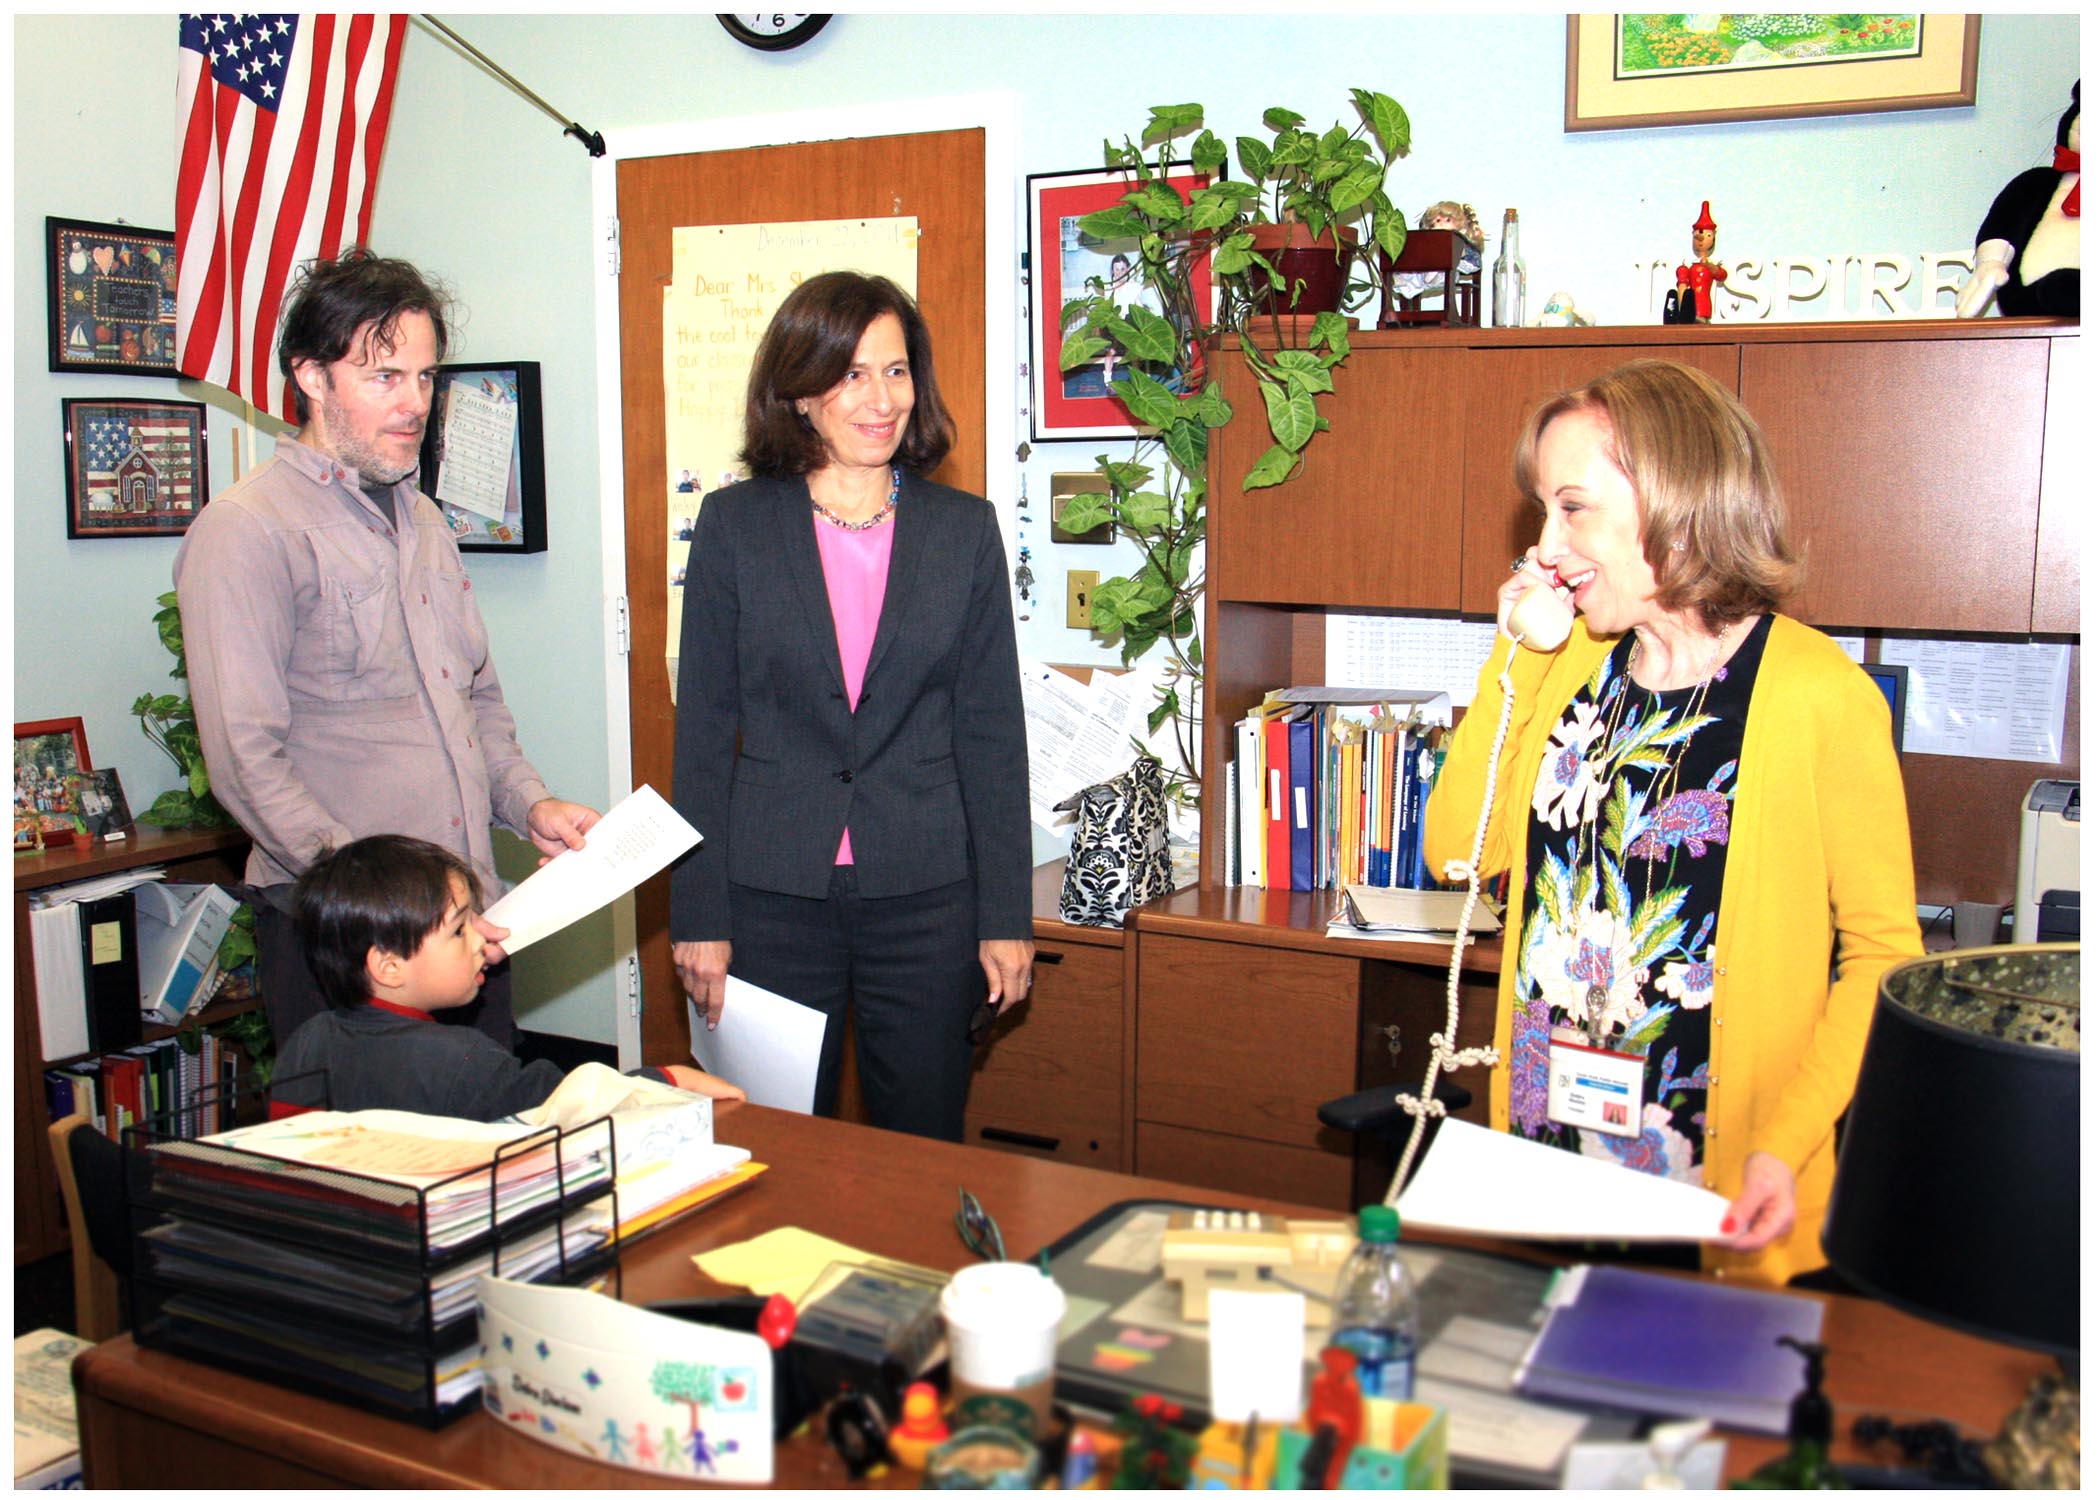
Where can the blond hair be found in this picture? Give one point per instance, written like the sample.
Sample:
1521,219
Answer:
1713,524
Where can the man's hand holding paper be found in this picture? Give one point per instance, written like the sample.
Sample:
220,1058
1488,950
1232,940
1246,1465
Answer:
616,853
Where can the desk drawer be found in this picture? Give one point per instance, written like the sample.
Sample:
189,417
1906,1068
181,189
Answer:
1244,1040
1050,1083
1204,1159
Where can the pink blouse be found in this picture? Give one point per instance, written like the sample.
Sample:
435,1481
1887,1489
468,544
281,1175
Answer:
856,574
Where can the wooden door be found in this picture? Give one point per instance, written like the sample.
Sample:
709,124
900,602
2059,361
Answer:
937,177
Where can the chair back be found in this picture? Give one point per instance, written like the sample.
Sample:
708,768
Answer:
91,1181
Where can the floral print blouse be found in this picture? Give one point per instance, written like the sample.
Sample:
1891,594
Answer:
1627,847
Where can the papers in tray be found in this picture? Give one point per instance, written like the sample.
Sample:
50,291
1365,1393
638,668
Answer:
1480,1181
1670,1345
1374,911
636,839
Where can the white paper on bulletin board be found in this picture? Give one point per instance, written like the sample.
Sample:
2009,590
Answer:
1442,656
727,281
1987,700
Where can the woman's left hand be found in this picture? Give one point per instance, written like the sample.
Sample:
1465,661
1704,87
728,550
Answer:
1008,967
1764,1209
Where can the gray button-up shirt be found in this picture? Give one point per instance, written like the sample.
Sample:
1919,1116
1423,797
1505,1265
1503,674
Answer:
341,673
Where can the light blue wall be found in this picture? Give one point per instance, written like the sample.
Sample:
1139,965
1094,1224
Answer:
481,188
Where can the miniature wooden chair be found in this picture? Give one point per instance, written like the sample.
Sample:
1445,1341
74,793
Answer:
91,1181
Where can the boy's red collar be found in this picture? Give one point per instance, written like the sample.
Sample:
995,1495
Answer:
400,1010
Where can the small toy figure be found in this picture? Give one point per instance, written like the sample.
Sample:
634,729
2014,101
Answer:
920,1429
2027,245
1156,1454
1702,275
1334,1412
1560,312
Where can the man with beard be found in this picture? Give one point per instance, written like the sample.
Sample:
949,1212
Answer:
338,664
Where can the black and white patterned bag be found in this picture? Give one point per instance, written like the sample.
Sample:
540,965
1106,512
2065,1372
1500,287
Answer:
1119,850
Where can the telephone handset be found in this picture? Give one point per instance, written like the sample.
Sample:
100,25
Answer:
1541,619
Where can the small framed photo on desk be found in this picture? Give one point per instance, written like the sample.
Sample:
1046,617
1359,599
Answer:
484,457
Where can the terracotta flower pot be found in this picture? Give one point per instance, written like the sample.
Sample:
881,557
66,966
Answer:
1316,263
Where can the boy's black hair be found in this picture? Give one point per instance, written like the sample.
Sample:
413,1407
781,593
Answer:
387,892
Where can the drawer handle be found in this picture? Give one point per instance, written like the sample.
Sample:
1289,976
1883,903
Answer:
1048,956
1018,1138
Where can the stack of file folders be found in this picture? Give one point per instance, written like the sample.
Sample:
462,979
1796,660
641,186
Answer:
265,1250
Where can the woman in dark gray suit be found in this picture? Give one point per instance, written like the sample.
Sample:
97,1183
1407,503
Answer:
850,734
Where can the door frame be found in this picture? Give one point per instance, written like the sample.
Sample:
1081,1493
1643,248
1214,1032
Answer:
997,115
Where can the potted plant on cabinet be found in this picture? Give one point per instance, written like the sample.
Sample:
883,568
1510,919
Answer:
1279,246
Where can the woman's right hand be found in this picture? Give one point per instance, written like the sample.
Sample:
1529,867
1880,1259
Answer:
703,968
1522,580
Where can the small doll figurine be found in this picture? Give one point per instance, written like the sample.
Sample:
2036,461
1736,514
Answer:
1703,274
2027,247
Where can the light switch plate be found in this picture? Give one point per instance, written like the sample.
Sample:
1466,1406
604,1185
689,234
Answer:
1079,597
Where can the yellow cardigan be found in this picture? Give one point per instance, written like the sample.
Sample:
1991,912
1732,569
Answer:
1819,852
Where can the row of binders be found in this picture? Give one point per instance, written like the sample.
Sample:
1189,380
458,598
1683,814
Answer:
1327,787
184,1077
114,953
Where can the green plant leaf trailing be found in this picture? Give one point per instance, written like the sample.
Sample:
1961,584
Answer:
169,721
1323,180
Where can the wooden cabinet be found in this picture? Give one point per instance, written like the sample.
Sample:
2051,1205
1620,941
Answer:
1051,1081
191,856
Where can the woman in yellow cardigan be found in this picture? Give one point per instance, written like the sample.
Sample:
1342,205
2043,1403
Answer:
1699,807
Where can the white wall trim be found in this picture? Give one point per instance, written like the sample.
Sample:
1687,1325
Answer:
997,114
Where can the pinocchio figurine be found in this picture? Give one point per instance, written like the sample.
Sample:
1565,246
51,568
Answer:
1696,282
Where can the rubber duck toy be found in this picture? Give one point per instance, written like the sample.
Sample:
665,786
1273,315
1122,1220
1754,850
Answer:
920,1429
2027,245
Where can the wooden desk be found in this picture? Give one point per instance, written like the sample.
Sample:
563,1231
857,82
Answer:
154,1419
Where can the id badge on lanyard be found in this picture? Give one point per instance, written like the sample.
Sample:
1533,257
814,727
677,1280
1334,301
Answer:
1591,1087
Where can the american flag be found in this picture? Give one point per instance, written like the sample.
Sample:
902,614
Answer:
164,446
280,122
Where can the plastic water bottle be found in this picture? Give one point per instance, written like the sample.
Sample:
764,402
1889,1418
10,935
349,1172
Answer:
1376,1315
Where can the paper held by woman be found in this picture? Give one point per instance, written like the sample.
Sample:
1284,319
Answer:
1480,1181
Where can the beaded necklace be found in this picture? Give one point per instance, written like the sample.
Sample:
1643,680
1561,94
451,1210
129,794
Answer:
889,508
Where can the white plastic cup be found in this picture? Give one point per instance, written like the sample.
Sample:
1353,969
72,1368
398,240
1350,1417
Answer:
1002,1321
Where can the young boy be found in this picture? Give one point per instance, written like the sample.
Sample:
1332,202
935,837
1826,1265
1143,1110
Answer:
388,927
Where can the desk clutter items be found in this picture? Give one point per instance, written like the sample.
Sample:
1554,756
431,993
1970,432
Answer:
47,1435
1119,855
625,1385
1205,1250
180,928
83,939
1002,1319
1328,786
1670,1346
341,1253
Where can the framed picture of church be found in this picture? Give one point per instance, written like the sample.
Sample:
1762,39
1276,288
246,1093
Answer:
133,468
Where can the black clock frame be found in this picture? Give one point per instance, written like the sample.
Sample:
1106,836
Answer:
794,37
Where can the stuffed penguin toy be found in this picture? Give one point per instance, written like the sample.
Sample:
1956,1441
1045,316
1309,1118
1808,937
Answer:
2027,247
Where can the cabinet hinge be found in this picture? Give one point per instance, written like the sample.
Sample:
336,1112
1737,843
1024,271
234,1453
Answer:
634,985
612,246
621,640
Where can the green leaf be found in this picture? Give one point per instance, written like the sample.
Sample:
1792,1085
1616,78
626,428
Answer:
1254,157
1273,467
1118,222
1212,407
1232,257
1146,511
1123,476
1114,605
1080,310
1390,231
1356,187
1304,370
1332,330
1158,202
1279,119
1170,120
1194,651
1169,705
1188,445
1149,401
1137,640
1083,512
1080,348
1291,416
1152,338
1388,121
176,809
1207,154
1332,167
1211,209
1294,150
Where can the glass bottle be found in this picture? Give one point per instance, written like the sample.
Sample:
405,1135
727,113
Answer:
1509,276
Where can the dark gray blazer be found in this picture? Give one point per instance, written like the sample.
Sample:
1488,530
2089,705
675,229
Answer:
931,771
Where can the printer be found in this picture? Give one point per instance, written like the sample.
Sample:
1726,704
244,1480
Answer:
2045,900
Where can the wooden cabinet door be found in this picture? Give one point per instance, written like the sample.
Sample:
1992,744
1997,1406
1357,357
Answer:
1371,521
1050,1081
2061,521
1912,472
1502,387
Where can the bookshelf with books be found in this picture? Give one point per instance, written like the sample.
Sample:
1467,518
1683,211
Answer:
1912,522
191,855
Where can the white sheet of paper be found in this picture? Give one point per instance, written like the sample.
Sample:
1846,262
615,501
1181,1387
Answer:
1257,1342
640,836
1993,700
1078,733
1481,1181
481,433
766,1045
1622,1466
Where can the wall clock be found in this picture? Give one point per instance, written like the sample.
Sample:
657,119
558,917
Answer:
775,32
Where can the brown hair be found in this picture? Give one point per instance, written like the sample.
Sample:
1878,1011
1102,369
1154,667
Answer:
807,349
1713,524
332,300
